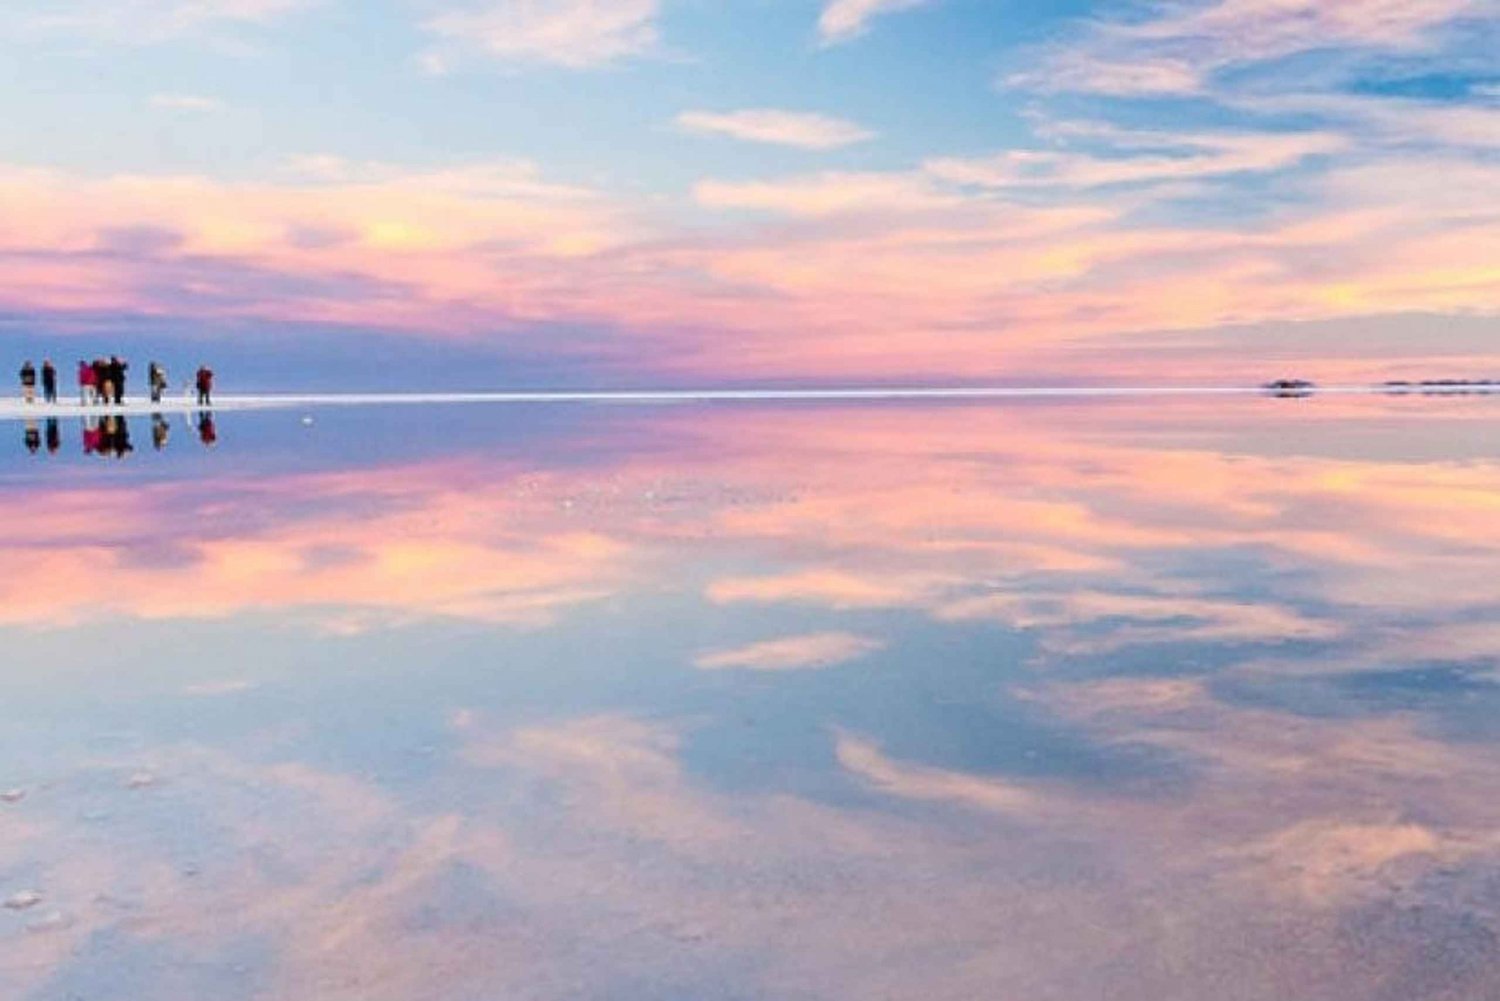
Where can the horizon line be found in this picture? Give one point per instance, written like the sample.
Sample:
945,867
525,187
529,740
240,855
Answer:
16,408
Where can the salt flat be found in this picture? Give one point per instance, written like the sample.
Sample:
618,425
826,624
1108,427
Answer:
14,408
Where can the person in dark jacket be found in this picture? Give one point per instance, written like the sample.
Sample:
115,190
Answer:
205,383
49,381
28,382
103,384
117,373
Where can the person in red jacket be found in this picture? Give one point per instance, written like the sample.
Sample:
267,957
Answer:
205,383
88,386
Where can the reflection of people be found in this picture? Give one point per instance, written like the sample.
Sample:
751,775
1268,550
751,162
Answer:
88,383
49,381
54,436
160,431
93,437
157,376
114,437
207,433
33,437
120,442
28,382
205,383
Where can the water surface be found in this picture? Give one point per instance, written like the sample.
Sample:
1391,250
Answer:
1053,699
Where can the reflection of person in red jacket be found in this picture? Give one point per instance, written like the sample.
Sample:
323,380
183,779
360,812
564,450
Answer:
93,438
205,383
207,433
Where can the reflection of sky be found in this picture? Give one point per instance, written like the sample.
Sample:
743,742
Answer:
1038,701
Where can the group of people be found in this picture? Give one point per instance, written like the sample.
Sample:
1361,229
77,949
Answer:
101,382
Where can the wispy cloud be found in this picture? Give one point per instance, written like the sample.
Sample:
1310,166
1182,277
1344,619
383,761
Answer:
140,21
1177,48
803,130
845,19
827,194
1142,158
792,653
577,34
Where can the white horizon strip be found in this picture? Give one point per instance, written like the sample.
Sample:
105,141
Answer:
13,408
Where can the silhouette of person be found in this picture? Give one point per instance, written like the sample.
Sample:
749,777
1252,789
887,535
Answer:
207,433
49,381
33,437
160,432
54,436
205,383
157,376
88,383
117,370
103,380
28,382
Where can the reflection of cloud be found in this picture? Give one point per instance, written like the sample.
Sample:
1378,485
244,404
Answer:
791,653
420,548
833,588
865,760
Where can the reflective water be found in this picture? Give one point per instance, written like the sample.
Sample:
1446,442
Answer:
1129,700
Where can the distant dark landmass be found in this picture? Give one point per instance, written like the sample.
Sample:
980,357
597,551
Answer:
1290,387
1442,387
1397,387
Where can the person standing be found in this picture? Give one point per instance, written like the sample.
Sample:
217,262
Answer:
117,373
205,384
102,381
88,385
49,381
28,382
157,376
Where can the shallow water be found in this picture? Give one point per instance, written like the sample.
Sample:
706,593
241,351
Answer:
1049,700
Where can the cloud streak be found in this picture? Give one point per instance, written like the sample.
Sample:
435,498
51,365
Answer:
573,34
802,130
843,20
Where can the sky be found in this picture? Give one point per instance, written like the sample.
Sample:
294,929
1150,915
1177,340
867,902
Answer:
483,193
